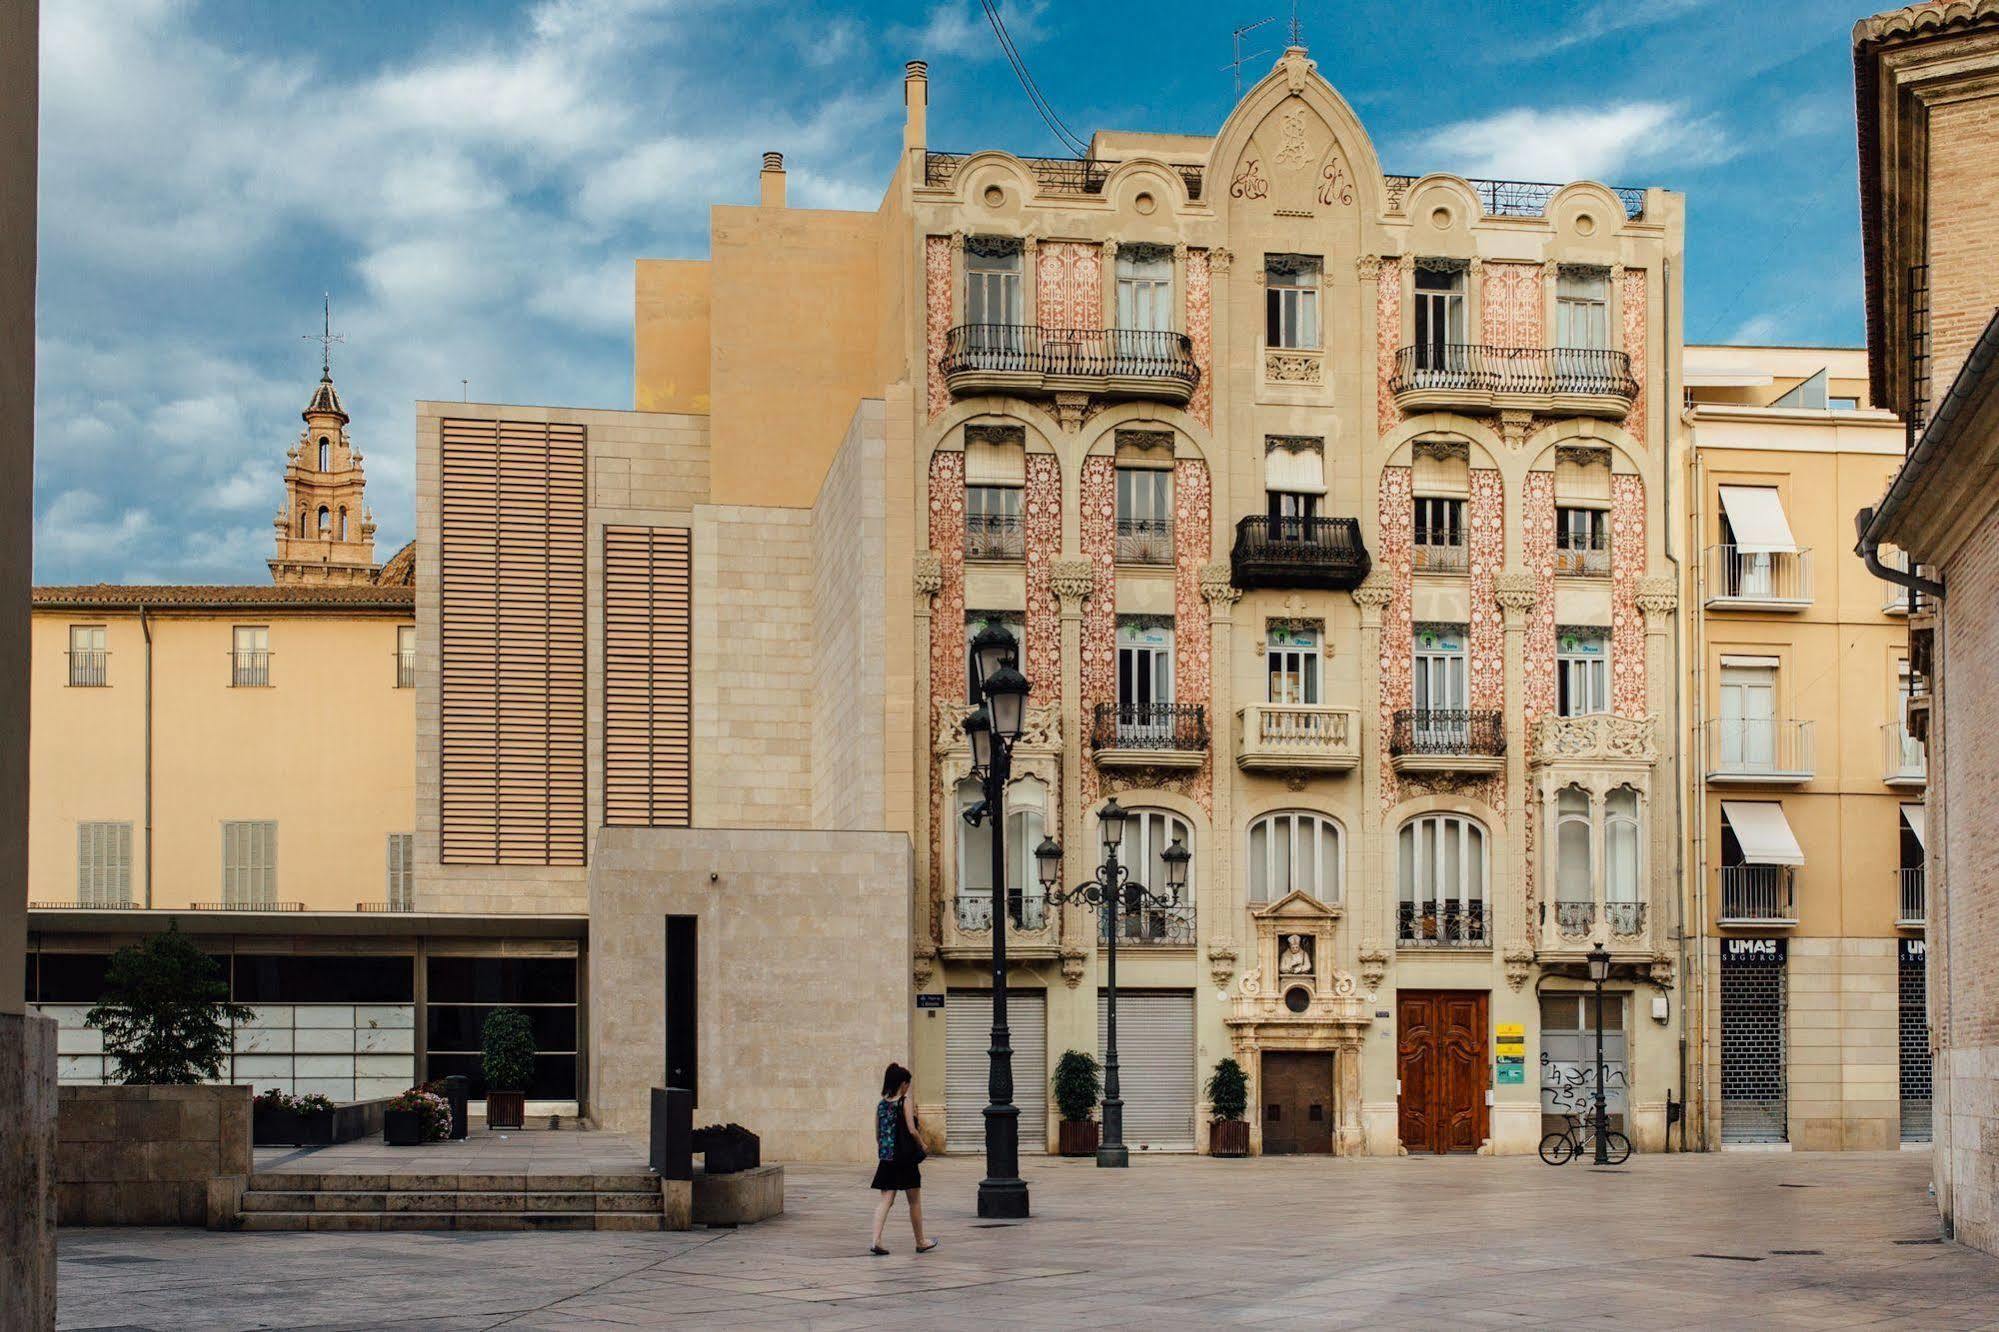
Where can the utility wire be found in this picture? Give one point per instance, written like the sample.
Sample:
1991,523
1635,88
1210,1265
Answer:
1063,134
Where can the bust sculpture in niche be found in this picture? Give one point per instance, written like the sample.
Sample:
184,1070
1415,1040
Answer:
1296,959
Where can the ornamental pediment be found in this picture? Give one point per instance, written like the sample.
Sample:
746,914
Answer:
1297,905
1598,738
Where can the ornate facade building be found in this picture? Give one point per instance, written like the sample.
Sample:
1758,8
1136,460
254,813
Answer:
325,532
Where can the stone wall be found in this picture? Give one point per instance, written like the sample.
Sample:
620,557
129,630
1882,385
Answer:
804,981
144,1156
848,631
27,1171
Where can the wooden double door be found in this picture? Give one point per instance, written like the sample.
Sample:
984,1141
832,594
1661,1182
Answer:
1442,1065
1297,1098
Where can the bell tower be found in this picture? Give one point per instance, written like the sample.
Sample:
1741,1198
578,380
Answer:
325,532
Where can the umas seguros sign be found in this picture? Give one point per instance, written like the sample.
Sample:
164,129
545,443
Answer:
1752,950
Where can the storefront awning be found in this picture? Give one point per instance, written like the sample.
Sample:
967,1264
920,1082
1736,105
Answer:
1914,815
1763,833
1756,516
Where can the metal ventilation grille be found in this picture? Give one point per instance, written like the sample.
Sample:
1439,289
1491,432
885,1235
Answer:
1752,1052
1915,1050
648,633
511,665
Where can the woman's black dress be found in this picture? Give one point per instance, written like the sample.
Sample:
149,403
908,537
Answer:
898,1150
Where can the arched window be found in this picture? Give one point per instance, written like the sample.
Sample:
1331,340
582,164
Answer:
1623,862
301,522
1292,850
1026,824
1147,835
325,454
1442,872
325,521
343,522
1575,895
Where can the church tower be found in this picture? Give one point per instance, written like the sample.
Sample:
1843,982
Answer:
325,532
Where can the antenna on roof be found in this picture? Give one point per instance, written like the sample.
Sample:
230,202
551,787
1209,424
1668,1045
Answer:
1236,65
326,337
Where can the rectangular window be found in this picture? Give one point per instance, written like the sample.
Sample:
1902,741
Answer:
250,656
87,656
993,288
1582,542
1292,662
405,656
250,863
1440,318
104,864
1144,288
1144,515
1439,684
1144,666
974,622
1291,300
1439,535
992,523
1748,717
1582,308
1582,666
402,872
1568,1057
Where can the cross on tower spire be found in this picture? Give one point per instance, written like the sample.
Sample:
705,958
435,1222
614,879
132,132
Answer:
326,337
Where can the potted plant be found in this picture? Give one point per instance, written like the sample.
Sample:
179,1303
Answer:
1077,1086
416,1116
507,1059
315,1119
274,1119
1228,1093
166,1012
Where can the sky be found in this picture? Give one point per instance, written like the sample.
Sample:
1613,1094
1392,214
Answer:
471,181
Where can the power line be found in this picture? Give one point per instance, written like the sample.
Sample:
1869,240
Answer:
1063,134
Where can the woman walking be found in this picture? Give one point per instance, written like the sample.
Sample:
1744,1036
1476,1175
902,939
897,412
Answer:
900,1151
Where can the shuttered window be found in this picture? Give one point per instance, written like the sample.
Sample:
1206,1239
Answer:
104,864
511,667
402,872
648,637
250,863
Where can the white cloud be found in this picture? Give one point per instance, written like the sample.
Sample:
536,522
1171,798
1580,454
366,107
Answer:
1607,17
961,30
1757,331
1603,143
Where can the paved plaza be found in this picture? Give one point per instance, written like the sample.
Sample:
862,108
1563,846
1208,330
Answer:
1738,1240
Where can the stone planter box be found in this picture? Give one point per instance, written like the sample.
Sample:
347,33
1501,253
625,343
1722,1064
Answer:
1078,1137
1228,1137
271,1126
402,1128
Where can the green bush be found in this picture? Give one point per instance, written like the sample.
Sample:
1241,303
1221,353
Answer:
507,1045
1228,1090
166,1012
1077,1086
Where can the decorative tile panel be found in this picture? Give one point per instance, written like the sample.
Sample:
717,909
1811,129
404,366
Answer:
1200,332
1485,650
1627,622
1388,332
1192,628
936,317
1537,540
1069,285
1097,660
1634,346
1041,519
1395,518
947,624
1512,305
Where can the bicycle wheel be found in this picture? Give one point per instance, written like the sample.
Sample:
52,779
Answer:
1616,1147
1557,1148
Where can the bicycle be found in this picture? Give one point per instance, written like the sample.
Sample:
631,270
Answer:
1564,1145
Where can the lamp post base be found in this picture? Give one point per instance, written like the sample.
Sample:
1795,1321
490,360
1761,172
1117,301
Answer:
1003,1200
1113,1156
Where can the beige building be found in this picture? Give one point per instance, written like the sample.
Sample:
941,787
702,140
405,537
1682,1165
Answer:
1806,833
1928,85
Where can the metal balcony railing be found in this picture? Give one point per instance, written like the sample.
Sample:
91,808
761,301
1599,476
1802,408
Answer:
87,669
1574,920
1914,909
975,911
994,536
246,906
1624,918
1440,925
1071,353
1477,367
1449,731
383,906
1161,726
1169,927
119,904
1515,198
1432,553
249,670
1758,749
1906,763
1144,541
405,670
1298,552
1752,894
1779,579
1582,554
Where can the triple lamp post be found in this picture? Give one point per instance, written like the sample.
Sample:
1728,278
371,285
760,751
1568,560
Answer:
1599,972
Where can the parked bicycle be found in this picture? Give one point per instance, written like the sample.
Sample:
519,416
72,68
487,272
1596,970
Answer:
1579,1139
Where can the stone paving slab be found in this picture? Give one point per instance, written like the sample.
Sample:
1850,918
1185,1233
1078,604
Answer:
1171,1242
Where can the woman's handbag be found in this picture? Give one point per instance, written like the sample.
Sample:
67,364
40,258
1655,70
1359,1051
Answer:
908,1147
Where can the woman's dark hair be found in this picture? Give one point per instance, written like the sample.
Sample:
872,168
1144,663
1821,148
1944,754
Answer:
894,1079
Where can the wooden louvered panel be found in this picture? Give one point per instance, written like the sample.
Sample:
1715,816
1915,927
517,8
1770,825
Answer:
511,678
648,684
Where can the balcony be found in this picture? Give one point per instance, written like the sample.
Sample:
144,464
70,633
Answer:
249,670
1476,377
994,536
1771,580
1625,919
1298,552
1429,555
1757,895
1582,554
1150,735
1157,927
968,928
975,912
246,906
390,906
1759,751
405,670
1448,740
1297,737
1575,920
1906,764
1913,913
1144,541
1026,360
1440,925
87,669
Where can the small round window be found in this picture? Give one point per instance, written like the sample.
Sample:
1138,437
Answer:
1297,999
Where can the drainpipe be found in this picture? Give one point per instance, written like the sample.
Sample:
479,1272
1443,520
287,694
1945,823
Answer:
146,630
1870,555
1693,781
1672,413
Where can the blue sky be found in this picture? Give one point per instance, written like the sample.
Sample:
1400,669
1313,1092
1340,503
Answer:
472,180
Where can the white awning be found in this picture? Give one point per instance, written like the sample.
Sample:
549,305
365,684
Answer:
1914,815
1756,515
1763,833
1294,471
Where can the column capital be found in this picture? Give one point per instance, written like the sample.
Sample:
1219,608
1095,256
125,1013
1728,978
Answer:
1219,260
1659,598
1368,267
1515,592
929,573
1373,596
1221,594
1071,581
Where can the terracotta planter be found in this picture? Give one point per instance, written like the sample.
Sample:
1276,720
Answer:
1078,1137
506,1109
402,1128
1228,1137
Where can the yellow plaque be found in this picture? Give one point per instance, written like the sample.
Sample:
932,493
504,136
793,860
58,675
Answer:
1511,1031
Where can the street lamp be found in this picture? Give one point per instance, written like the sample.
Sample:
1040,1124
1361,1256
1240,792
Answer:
1599,972
1112,890
991,731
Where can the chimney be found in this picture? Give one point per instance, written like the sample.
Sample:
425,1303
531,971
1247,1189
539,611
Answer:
915,102
770,181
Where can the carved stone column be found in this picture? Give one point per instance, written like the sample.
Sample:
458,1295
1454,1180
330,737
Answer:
1515,594
1659,599
1072,582
1352,1136
1218,905
929,572
1370,901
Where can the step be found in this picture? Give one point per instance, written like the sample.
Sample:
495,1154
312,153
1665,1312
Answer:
452,1200
292,1181
536,1220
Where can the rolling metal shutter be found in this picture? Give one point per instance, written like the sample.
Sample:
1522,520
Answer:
1752,1051
968,1029
648,683
1155,1041
511,636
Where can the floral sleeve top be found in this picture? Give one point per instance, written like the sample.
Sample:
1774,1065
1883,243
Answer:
885,1113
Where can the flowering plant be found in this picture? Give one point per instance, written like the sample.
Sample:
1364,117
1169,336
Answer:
277,1098
312,1102
436,1111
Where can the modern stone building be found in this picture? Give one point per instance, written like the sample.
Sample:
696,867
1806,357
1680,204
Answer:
1806,843
1928,94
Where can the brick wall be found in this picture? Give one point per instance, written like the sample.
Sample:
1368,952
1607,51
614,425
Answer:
1963,232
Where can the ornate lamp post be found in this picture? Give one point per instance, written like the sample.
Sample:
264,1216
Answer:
992,731
1111,890
1599,972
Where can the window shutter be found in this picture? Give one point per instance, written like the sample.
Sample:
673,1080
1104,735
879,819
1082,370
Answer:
511,670
648,682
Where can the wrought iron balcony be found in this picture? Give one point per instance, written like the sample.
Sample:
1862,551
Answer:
246,906
1029,360
1157,735
1144,541
249,670
395,906
405,670
1478,377
1625,919
1914,910
1760,751
1164,927
1582,554
1907,763
1298,552
1448,740
1432,553
1774,580
1757,895
1440,925
1574,920
975,911
1297,737
994,536
87,669
1057,175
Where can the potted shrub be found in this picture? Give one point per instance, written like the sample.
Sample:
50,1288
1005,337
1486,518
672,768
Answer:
274,1119
166,1012
1228,1093
1077,1086
315,1119
416,1116
507,1059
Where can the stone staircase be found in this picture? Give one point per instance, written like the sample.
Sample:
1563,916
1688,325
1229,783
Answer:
293,1201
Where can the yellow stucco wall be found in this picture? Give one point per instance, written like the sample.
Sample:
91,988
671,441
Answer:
670,336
